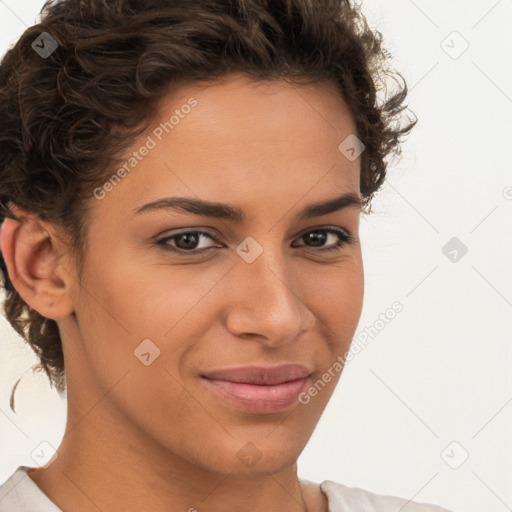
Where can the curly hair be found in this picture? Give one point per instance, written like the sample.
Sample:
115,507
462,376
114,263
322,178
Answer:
67,118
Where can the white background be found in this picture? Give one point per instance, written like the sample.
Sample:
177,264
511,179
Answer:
440,371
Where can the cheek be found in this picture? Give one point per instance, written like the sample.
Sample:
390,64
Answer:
335,295
132,301
343,304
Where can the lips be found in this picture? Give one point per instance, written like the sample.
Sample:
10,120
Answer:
259,389
261,375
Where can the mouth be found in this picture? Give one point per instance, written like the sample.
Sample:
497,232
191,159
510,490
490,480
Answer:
259,389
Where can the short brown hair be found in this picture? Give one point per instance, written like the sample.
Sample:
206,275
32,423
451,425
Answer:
67,118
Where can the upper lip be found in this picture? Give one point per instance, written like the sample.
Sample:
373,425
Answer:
262,375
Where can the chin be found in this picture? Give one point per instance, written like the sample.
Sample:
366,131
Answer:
253,458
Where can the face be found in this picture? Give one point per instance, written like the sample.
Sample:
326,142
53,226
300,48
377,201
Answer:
189,317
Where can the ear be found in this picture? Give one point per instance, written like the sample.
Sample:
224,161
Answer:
34,259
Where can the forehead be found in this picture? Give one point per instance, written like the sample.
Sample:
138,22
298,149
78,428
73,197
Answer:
242,139
237,109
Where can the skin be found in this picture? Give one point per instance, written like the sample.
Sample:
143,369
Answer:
154,437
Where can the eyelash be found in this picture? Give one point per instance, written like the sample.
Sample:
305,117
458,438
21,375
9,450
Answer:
344,238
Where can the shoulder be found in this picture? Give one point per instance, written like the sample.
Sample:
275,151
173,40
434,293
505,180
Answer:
347,499
19,494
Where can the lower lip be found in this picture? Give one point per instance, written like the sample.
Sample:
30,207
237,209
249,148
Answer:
257,398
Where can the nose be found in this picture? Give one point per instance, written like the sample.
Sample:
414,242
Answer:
266,303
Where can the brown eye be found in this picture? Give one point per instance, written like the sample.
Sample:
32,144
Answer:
319,237
186,241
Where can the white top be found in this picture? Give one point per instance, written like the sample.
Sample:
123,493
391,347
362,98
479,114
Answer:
21,494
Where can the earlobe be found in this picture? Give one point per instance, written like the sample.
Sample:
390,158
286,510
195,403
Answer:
35,269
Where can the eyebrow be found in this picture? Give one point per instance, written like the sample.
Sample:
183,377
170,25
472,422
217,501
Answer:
235,214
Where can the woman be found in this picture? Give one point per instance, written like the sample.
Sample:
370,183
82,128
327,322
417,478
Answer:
182,183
